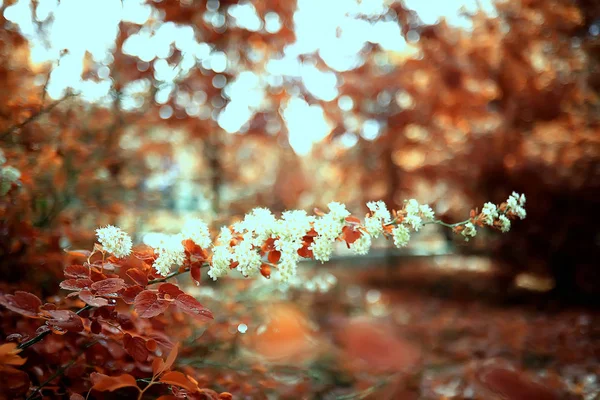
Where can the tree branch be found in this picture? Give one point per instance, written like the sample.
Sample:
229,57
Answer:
34,117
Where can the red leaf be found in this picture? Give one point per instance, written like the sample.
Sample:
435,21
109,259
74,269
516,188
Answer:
158,366
352,219
195,273
147,304
138,276
107,286
171,357
265,270
305,252
76,396
190,305
163,341
77,271
178,379
274,256
23,303
151,345
128,295
104,383
64,320
92,300
96,327
350,235
14,383
136,347
170,289
76,284
79,253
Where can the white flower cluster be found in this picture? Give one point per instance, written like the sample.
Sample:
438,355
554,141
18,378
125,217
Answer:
362,245
469,231
256,227
170,252
401,236
516,204
490,213
197,231
114,241
242,245
222,255
416,213
8,175
328,228
380,215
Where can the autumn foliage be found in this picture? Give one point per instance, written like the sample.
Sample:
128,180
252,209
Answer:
463,116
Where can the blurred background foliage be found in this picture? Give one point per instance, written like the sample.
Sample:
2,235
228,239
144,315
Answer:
145,113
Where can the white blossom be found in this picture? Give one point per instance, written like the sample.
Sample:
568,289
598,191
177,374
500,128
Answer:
293,224
380,215
288,263
469,231
490,213
379,211
401,236
114,240
221,260
426,211
413,217
259,223
374,226
2,157
338,210
362,245
10,174
322,247
197,231
505,223
248,259
225,236
413,220
328,226
516,204
170,252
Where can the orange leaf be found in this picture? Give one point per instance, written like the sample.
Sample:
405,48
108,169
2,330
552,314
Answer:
265,270
167,397
8,354
274,256
137,276
178,379
79,253
158,366
105,383
171,357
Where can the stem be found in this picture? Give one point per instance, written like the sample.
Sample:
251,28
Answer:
144,389
440,222
32,118
61,370
42,335
173,274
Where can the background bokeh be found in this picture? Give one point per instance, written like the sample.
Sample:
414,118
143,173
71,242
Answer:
145,113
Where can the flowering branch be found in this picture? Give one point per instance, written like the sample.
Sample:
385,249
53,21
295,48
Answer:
261,242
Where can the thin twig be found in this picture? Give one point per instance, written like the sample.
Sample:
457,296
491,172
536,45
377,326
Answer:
33,117
61,370
173,274
42,335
